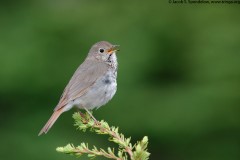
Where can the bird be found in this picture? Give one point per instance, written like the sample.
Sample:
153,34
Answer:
92,85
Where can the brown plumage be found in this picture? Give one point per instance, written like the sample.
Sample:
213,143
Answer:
85,79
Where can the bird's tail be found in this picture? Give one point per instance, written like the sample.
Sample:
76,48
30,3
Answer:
51,121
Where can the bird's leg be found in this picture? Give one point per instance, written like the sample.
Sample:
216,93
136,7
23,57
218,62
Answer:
91,115
79,111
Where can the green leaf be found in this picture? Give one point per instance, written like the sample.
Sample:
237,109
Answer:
84,122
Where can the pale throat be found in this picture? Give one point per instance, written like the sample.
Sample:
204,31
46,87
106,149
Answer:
111,60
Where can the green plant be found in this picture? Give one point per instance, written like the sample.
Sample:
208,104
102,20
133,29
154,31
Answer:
125,151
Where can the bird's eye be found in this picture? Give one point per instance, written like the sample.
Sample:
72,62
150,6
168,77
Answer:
101,50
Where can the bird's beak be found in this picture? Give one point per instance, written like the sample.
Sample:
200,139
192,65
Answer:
113,49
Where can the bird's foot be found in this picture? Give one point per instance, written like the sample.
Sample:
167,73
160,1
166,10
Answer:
95,120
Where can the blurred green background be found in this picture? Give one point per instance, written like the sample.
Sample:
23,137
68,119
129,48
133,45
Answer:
178,77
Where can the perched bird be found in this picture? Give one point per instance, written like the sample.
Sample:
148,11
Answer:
92,85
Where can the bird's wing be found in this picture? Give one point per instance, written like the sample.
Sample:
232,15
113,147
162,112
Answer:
82,80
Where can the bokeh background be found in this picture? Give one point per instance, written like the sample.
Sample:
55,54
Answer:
178,78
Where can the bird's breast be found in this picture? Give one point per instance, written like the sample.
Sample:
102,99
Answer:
101,91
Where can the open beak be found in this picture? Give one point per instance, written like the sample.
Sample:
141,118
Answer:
113,49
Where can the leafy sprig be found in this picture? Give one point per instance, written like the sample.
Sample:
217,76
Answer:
125,151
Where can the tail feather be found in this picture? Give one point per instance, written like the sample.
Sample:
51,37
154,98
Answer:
51,121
